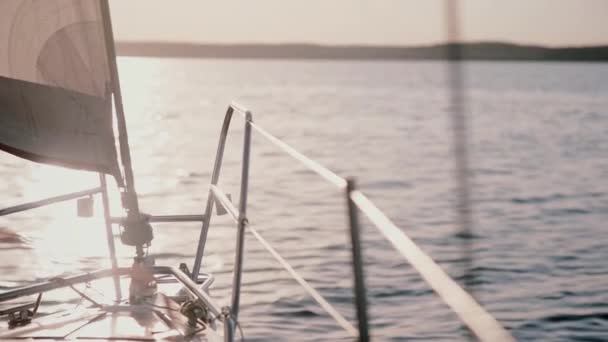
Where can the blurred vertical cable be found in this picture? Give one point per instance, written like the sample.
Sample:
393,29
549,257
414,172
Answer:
460,133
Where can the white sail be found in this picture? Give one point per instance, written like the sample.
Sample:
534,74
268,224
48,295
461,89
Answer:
55,97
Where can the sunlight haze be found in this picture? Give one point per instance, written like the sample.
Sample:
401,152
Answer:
382,22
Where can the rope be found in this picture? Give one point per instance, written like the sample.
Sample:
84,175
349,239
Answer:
311,164
481,323
311,291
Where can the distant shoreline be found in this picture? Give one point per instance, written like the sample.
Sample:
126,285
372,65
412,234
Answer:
470,51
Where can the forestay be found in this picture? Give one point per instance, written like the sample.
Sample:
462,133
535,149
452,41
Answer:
55,94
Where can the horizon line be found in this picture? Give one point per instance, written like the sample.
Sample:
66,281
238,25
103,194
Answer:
360,45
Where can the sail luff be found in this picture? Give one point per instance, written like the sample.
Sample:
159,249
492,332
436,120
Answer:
123,138
137,230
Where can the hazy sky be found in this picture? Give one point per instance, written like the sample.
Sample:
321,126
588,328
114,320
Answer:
549,22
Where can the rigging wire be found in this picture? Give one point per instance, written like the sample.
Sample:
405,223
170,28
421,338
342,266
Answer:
311,290
460,134
460,143
80,293
234,214
238,325
479,321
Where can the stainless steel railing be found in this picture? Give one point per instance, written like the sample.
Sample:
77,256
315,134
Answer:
49,201
233,212
478,320
108,219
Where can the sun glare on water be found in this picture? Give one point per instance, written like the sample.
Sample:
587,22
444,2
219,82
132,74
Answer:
63,240
58,241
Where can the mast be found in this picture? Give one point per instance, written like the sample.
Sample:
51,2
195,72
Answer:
137,232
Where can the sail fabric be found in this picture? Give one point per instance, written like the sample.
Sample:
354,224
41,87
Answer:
55,98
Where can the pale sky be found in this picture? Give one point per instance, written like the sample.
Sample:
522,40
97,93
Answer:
392,22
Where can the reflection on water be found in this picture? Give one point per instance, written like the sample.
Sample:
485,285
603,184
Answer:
538,157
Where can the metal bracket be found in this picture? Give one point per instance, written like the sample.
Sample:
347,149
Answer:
85,206
184,268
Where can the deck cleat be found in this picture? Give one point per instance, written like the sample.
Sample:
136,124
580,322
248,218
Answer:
21,315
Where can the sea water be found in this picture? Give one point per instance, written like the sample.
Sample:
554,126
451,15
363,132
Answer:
538,135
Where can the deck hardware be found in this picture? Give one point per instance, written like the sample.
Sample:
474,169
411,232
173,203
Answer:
136,231
85,206
21,315
143,283
194,310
